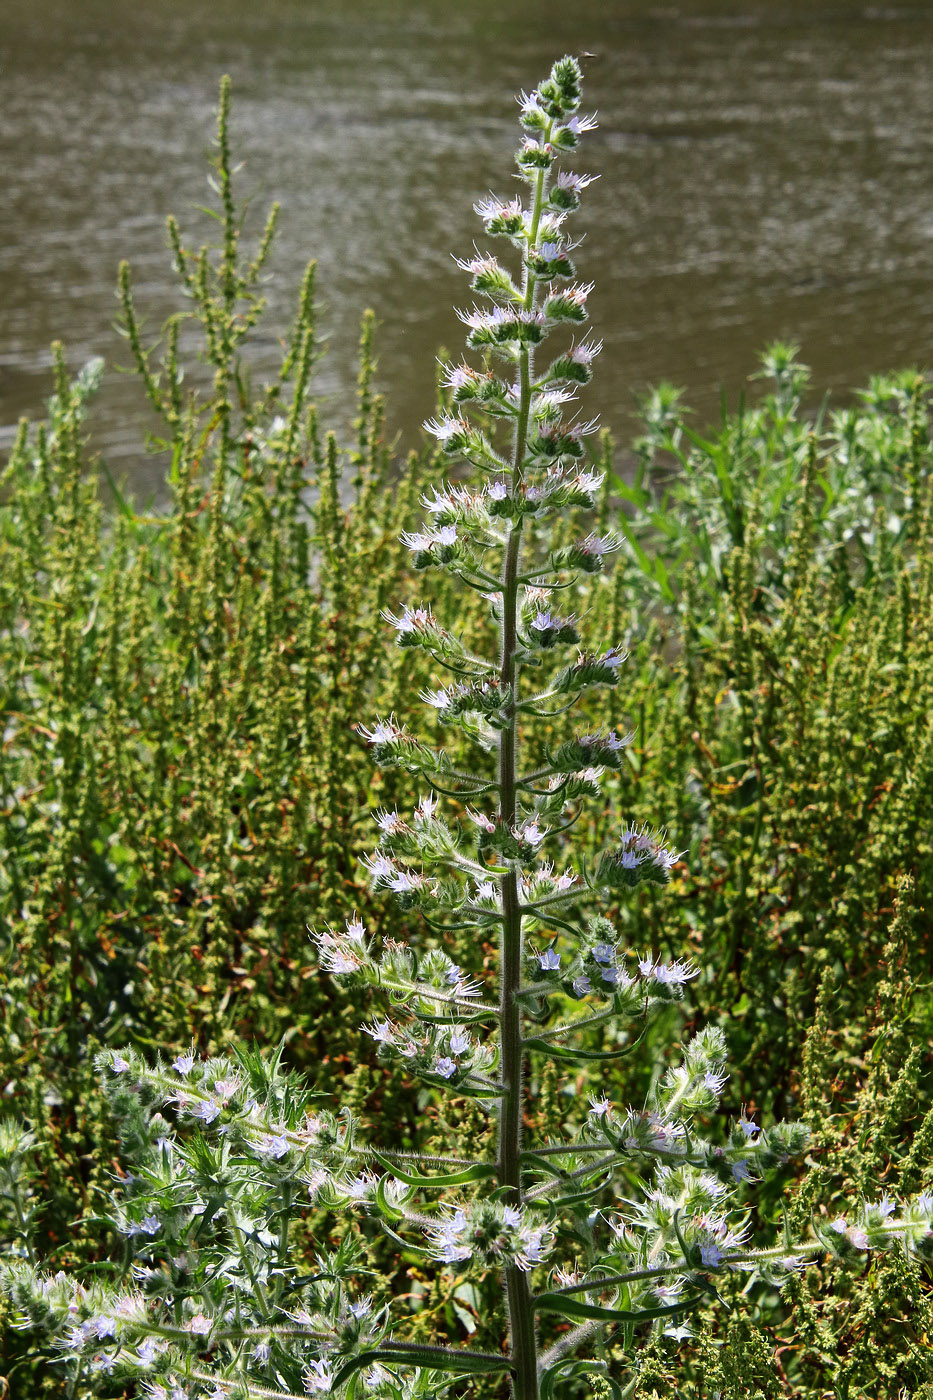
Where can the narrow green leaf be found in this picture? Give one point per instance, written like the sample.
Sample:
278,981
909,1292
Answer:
458,1178
464,1362
573,1307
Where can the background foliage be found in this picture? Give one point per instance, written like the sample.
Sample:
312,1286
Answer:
182,788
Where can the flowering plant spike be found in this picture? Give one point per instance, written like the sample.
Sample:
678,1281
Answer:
213,1300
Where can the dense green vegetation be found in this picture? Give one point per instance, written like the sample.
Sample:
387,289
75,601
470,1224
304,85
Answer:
182,788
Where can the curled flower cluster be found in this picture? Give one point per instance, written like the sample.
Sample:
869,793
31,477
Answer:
491,1234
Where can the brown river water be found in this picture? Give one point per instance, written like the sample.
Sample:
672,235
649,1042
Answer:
765,172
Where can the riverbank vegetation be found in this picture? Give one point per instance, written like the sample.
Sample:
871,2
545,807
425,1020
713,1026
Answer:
184,789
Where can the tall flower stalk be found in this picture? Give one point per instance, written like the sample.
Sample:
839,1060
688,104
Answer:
625,1219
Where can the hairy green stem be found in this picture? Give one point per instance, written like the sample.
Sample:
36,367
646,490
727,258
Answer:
509,1147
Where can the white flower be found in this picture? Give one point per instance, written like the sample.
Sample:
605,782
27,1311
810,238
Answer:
578,125
382,732
383,1032
438,699
379,866
571,180
199,1325
530,833
445,428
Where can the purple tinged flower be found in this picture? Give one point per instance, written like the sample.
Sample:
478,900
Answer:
207,1110
382,732
577,293
492,208
119,1065
535,1242
274,1145
199,1325
497,490
675,974
379,866
147,1351
839,1225
667,1292
150,1225
604,953
585,353
446,428
599,545
437,699
579,125
750,1129
711,1255
183,1064
571,180
714,1082
459,376
383,1032
261,1352
530,833
403,882
549,961
317,1378
599,1107
445,1067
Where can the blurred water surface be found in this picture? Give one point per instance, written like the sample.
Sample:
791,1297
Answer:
765,171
